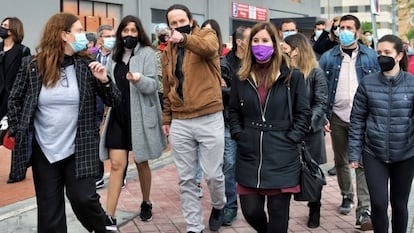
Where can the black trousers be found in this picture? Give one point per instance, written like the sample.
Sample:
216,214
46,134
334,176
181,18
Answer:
400,176
50,181
252,206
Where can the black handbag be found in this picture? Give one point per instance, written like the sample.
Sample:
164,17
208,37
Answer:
312,178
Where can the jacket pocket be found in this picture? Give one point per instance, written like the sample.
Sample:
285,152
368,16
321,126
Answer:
368,70
149,115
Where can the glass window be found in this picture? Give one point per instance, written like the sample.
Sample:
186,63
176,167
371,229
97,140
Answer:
322,10
353,9
158,16
338,9
367,8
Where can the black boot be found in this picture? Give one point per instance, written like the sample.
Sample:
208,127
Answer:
314,214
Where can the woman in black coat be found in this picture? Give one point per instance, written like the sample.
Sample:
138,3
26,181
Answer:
299,50
267,162
11,54
381,135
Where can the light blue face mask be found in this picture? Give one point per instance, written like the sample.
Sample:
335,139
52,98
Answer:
346,38
80,42
109,43
288,33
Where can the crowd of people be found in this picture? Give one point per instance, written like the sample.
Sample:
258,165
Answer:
235,117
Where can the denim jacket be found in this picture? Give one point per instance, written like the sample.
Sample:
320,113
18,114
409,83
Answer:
331,62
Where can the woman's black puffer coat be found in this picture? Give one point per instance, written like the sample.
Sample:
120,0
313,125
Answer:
382,123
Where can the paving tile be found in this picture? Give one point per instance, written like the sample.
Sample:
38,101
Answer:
167,215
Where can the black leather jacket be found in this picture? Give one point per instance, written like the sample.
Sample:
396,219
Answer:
318,97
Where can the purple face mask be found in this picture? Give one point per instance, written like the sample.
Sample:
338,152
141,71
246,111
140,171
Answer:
262,52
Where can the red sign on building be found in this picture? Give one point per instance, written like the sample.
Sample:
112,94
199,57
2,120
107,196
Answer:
245,11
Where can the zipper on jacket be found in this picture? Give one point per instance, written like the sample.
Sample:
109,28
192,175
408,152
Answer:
388,122
262,111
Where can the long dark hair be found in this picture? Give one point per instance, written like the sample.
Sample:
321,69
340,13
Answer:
398,46
215,26
143,38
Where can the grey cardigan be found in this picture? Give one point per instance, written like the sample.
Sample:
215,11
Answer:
148,140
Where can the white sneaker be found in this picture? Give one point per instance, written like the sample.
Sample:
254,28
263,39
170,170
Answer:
99,183
124,184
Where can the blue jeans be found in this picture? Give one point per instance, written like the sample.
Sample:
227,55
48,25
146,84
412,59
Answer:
230,148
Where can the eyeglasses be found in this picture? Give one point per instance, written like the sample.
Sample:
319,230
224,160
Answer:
64,82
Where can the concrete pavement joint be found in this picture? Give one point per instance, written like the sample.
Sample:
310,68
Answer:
17,212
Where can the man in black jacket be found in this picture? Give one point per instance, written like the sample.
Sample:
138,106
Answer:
230,65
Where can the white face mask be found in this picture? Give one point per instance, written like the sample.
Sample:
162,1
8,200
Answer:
336,32
288,33
318,33
109,43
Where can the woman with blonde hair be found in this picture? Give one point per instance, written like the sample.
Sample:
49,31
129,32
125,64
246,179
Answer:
300,53
267,135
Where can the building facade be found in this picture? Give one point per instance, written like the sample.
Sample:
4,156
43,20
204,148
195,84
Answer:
92,13
362,10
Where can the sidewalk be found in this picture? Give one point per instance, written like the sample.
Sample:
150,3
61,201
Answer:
20,217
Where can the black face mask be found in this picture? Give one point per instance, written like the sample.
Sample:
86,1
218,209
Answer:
386,63
163,38
3,32
184,29
130,42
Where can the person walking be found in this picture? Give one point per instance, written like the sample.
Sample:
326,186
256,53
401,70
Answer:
11,53
230,65
52,109
268,162
345,65
192,115
135,124
299,50
380,135
105,43
162,32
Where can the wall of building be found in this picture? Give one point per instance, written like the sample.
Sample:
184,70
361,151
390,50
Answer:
384,19
33,17
35,14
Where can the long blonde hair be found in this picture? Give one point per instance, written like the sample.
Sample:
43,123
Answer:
305,60
250,67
